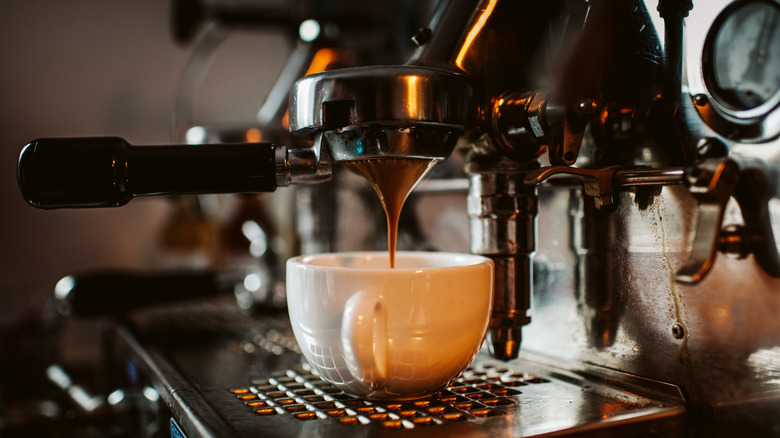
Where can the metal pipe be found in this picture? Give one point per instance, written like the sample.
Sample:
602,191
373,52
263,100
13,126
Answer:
502,213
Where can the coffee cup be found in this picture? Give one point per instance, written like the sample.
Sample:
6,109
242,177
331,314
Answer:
390,333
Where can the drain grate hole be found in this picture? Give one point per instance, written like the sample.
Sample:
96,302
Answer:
285,401
266,411
336,413
423,421
379,416
454,416
349,421
306,416
393,424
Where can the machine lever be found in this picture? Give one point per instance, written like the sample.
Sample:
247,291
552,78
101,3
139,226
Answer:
712,183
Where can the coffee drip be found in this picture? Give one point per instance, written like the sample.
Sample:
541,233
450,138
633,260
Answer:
393,179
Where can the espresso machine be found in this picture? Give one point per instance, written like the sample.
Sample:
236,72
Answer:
618,161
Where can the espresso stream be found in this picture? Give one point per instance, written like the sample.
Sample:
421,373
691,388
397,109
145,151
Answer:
393,179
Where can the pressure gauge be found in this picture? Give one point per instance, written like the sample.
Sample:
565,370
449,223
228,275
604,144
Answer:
733,67
745,55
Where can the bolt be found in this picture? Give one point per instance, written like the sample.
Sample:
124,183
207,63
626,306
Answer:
709,147
422,36
734,241
587,108
678,331
704,147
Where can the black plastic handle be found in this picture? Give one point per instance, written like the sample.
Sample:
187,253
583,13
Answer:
117,292
109,172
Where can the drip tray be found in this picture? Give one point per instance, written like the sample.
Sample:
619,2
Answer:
482,392
220,373
490,399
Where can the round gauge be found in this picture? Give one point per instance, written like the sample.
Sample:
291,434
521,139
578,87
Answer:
745,55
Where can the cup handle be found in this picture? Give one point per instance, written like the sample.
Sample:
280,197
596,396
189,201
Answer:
363,339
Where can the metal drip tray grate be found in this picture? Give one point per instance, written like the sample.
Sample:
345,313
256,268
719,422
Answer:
483,391
216,369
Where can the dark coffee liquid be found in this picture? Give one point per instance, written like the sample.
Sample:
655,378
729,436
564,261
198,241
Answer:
393,179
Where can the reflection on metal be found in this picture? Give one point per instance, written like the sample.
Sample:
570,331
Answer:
267,393
595,237
475,29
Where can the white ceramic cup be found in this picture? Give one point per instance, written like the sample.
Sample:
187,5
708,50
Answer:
382,333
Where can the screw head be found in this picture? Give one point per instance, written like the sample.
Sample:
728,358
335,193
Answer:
422,36
678,331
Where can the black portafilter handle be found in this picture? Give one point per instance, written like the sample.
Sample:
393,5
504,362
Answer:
118,292
109,172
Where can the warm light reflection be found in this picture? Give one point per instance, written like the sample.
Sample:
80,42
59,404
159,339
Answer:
412,96
322,60
254,136
480,23
612,408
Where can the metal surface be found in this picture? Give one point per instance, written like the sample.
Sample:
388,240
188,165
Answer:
370,112
221,373
705,338
502,214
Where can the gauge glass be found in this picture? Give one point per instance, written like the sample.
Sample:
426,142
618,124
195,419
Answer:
746,55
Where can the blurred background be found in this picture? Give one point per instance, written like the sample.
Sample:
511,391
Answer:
93,68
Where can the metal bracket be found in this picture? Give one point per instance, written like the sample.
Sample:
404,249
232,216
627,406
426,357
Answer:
712,182
596,182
